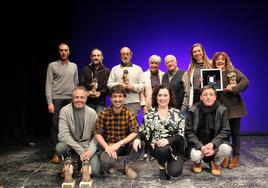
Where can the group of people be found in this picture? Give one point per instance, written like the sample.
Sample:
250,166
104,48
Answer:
181,119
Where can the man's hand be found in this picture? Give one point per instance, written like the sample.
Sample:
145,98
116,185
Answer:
111,150
85,155
208,150
51,108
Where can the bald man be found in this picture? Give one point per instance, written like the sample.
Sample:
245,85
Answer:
130,76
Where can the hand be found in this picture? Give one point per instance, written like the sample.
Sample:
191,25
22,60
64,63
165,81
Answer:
130,87
113,147
97,94
208,150
85,155
162,142
137,144
201,80
51,108
144,109
228,89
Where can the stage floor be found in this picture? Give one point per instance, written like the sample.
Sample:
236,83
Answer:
29,166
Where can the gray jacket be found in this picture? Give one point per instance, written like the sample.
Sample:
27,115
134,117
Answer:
67,129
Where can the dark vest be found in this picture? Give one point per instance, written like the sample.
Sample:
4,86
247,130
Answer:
176,85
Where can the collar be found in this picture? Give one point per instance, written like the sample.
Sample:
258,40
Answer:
124,65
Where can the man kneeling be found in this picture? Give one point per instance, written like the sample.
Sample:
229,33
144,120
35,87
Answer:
76,122
207,131
115,131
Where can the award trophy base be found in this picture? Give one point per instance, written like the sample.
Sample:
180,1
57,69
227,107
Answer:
84,184
68,185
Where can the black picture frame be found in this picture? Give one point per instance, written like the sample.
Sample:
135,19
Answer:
212,77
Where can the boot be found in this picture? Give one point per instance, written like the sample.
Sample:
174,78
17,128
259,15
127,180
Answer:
163,175
131,174
197,168
215,169
225,162
234,162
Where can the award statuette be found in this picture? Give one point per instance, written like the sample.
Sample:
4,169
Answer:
94,86
125,77
231,80
86,181
69,182
212,77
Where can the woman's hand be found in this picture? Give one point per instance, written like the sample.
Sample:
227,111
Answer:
137,144
162,142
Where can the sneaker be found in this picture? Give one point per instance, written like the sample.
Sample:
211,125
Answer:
215,169
131,174
163,175
55,159
197,168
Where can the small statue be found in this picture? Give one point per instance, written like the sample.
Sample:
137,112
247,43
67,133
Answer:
94,85
86,171
125,77
232,80
68,170
86,181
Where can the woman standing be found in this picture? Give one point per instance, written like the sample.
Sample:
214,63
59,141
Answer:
198,60
230,97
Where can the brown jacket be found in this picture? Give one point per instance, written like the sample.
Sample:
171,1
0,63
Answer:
233,100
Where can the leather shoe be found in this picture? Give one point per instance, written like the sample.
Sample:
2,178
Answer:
55,159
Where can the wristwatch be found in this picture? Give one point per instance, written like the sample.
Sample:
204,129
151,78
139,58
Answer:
121,143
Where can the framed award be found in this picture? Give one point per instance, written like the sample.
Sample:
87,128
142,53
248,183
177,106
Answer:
212,77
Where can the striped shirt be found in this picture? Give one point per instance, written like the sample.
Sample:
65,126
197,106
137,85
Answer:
115,127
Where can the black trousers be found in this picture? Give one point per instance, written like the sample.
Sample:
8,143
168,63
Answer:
54,130
235,135
163,156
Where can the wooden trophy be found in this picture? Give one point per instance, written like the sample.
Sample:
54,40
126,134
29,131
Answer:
232,80
86,181
69,182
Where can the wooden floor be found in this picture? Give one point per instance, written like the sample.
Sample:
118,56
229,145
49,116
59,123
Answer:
29,166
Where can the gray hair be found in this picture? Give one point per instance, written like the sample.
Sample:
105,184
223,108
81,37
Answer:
155,58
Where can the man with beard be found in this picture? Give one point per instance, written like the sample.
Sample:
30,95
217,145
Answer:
94,77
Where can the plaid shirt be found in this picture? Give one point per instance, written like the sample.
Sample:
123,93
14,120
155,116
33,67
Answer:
115,127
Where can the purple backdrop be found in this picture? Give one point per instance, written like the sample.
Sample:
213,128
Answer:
172,27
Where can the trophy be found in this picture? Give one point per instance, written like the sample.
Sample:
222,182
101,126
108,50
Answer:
94,86
86,181
69,182
125,77
231,80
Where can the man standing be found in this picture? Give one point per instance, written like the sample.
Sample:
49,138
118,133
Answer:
94,78
179,81
62,77
207,131
115,130
129,76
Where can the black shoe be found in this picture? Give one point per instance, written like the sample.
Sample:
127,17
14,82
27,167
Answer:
163,175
